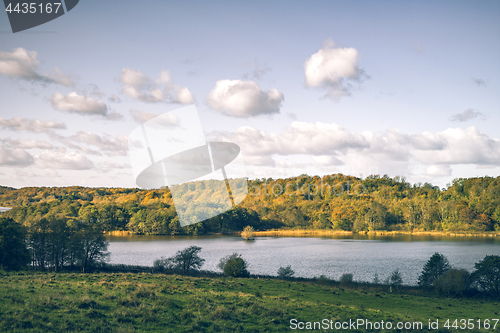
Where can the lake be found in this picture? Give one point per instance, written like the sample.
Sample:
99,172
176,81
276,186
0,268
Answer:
360,255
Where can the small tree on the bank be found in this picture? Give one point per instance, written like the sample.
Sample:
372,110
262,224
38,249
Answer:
184,261
248,232
435,267
396,279
234,265
285,272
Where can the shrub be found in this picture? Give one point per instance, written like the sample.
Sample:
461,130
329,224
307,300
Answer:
346,278
248,232
455,282
285,272
234,266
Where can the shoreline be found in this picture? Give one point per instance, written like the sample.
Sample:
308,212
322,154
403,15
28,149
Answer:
323,233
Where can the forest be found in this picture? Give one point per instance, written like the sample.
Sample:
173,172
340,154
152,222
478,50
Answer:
338,202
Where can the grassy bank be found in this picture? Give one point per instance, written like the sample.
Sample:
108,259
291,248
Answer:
326,233
125,302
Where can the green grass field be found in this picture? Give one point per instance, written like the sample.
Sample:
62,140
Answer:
126,302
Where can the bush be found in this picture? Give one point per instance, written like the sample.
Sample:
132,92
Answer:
248,232
455,282
346,278
435,267
285,272
234,266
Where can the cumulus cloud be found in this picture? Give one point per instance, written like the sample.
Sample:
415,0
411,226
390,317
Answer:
30,125
243,99
139,86
83,105
57,160
15,157
333,68
117,145
24,65
466,115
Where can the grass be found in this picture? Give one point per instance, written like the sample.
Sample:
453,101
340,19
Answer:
130,302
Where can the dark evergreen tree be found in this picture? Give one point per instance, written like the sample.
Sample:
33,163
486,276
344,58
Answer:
435,267
14,253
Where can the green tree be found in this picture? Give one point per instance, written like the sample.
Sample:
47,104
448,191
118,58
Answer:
435,267
14,253
184,261
487,274
90,246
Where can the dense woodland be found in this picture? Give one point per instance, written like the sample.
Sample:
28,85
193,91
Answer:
330,202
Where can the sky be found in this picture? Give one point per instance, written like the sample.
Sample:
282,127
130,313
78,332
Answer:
401,88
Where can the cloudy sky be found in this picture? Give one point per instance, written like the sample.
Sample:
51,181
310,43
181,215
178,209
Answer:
388,87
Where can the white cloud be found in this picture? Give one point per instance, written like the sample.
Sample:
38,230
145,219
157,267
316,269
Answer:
466,115
438,170
80,104
51,173
463,146
327,160
56,160
117,145
139,86
27,144
332,69
15,157
30,125
243,99
390,151
23,64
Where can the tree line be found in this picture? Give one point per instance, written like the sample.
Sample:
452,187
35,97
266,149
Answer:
51,243
331,202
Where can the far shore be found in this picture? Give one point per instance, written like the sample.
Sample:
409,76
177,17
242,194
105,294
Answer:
323,233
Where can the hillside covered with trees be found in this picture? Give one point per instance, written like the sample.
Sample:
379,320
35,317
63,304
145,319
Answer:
331,202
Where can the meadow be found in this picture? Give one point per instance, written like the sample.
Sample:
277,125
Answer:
139,302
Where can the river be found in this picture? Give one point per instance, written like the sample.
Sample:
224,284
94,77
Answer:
363,256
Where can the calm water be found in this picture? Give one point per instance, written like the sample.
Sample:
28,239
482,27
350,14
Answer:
311,257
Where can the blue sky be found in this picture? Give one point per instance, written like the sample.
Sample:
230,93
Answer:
386,87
